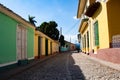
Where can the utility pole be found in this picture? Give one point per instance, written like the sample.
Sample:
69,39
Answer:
60,31
70,39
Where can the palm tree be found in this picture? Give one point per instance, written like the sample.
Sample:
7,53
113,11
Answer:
31,20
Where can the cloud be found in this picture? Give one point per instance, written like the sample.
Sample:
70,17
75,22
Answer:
75,18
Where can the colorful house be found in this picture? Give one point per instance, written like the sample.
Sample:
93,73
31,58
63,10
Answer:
99,26
44,45
16,38
67,47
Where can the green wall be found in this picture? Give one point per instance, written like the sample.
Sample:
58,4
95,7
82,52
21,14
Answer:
7,39
30,43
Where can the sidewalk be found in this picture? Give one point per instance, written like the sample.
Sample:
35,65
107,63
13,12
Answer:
106,63
7,74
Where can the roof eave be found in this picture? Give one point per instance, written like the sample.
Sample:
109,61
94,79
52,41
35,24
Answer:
84,21
15,16
81,6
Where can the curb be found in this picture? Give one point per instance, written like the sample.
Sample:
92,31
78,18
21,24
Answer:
8,74
106,63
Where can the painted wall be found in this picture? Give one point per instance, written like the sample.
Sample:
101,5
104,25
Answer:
65,47
103,27
7,39
48,47
30,43
8,48
55,46
51,43
43,46
53,49
84,39
101,17
113,10
36,45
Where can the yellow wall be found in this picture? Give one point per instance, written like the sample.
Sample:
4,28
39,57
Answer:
36,45
91,35
55,44
43,46
54,47
108,16
101,17
84,35
102,26
113,8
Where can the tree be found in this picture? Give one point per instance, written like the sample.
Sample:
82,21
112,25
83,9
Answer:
43,27
61,40
31,20
50,29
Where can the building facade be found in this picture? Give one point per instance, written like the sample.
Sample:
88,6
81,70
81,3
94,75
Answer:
44,45
67,47
17,38
99,26
20,42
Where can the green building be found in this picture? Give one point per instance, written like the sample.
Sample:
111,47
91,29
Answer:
16,38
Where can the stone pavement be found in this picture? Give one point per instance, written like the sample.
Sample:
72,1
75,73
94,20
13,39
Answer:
68,66
93,70
7,74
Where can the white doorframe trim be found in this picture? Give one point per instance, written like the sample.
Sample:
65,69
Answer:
22,26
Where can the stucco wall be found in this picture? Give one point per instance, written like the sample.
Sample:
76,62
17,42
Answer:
36,45
8,48
30,43
113,10
43,46
102,26
7,39
110,55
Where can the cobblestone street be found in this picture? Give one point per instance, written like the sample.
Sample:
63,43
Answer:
68,66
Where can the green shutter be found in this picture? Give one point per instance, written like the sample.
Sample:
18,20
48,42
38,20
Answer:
96,33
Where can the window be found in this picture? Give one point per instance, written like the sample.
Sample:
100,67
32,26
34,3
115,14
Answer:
96,34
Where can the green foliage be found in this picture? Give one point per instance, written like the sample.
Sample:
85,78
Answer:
61,40
50,29
31,20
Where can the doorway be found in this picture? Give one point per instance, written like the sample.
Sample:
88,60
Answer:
21,43
39,46
46,47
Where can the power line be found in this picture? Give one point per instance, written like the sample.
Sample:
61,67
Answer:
72,27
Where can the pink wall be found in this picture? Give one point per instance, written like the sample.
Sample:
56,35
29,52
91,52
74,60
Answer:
111,55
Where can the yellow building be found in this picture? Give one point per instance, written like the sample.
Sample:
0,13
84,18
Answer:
99,26
44,46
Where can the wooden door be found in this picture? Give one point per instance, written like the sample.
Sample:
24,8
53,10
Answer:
21,43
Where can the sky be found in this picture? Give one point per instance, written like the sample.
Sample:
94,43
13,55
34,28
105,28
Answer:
63,12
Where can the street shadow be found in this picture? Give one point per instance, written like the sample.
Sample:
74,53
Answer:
75,70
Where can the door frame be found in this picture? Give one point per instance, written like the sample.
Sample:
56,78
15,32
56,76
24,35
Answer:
23,42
